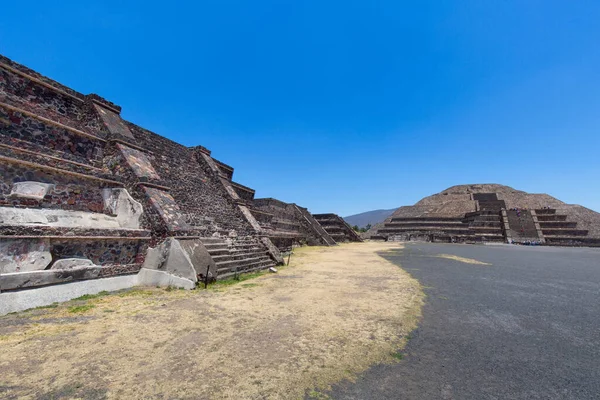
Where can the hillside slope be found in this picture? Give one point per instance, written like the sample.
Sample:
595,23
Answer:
369,217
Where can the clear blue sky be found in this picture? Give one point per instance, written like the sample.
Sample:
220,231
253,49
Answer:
344,106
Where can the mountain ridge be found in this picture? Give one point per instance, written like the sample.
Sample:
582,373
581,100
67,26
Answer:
369,217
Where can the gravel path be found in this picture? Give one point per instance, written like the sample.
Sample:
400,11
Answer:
525,327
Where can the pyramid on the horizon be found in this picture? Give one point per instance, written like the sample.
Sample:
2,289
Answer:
491,213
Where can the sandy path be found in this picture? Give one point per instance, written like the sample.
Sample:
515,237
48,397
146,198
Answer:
328,316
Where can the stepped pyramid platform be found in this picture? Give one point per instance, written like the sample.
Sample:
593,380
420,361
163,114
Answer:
491,213
287,224
337,228
85,194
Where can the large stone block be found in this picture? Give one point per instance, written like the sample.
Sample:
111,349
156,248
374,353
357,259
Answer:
182,258
31,190
150,277
199,256
22,255
71,263
119,202
23,280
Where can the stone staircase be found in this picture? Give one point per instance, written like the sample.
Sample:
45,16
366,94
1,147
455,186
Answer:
485,225
479,226
316,226
337,228
522,226
235,256
558,231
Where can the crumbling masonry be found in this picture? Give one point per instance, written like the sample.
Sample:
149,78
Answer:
85,194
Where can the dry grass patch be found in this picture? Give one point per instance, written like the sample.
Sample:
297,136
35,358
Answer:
329,316
462,259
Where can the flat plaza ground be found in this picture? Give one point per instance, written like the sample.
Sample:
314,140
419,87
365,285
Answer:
499,322
327,317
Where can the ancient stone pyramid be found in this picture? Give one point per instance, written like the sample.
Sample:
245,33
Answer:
492,213
85,194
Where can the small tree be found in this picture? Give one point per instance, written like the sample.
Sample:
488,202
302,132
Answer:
367,227
355,227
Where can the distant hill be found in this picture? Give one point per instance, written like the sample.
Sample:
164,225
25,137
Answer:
369,217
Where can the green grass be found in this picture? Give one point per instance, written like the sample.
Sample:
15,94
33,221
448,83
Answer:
53,305
315,394
136,292
92,296
397,355
81,309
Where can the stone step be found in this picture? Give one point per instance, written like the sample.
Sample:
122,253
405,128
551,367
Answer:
425,223
242,261
36,96
564,232
432,229
218,251
247,246
432,219
551,217
489,224
227,273
557,224
545,211
74,143
22,149
485,218
483,229
572,241
239,256
211,240
16,231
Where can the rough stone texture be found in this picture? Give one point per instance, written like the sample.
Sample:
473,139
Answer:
172,258
31,190
198,255
286,223
70,263
106,189
337,228
273,250
20,255
24,280
581,226
113,122
154,278
128,211
62,218
139,162
69,192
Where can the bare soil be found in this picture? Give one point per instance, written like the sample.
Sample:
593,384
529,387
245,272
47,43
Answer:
328,316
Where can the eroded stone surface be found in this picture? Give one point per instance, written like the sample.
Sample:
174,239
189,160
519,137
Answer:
150,277
31,190
22,255
29,279
70,263
172,258
128,211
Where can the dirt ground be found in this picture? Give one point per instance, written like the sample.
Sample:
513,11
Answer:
327,317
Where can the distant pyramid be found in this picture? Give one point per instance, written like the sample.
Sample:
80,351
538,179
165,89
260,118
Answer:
491,213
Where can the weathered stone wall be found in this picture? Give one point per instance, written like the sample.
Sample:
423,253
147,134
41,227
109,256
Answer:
194,186
80,183
67,193
284,222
